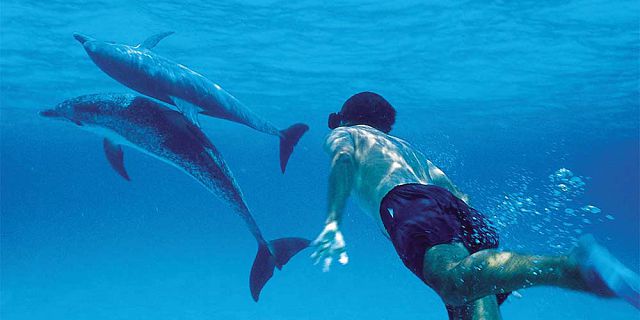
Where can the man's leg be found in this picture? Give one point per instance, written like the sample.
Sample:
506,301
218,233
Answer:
489,272
482,309
485,308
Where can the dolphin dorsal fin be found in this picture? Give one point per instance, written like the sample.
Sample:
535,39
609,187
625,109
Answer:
116,157
154,39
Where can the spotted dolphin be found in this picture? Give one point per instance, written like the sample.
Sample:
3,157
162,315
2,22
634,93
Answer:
155,129
142,70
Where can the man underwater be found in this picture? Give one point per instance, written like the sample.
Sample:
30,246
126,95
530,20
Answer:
439,237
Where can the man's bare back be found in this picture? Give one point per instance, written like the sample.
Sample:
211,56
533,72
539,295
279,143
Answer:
382,162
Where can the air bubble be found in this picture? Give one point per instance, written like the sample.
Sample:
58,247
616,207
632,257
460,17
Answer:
591,209
553,213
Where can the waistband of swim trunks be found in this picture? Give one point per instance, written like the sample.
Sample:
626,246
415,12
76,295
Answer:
403,186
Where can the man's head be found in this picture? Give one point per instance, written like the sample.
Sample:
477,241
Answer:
366,108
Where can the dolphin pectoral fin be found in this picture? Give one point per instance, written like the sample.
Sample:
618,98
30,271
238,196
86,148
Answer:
154,39
116,157
189,110
181,123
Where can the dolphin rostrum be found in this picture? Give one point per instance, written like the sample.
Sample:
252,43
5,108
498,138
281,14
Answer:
157,130
140,69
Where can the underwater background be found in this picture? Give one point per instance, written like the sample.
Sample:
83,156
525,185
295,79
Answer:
531,107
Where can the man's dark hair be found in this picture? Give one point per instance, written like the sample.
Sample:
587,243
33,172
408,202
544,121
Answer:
366,108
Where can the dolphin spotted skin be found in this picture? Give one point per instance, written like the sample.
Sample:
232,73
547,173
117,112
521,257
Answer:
140,69
157,130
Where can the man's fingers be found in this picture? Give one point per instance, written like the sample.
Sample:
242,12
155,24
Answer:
316,256
328,244
321,253
323,247
326,264
322,238
326,256
319,242
318,239
344,258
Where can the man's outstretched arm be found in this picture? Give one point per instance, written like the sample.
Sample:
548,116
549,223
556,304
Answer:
340,184
330,243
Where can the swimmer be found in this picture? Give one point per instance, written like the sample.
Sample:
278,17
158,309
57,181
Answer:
449,245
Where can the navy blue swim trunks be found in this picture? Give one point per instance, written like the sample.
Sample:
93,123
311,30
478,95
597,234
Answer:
418,217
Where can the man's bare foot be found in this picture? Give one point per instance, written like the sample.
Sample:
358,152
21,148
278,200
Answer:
603,273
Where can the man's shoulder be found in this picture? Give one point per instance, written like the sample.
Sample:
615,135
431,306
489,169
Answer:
337,133
341,132
338,139
363,131
351,133
359,129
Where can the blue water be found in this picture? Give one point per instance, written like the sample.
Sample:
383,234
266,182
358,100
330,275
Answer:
502,95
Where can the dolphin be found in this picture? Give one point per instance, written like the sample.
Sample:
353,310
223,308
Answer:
140,69
157,130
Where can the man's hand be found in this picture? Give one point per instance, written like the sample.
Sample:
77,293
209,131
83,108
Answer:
329,244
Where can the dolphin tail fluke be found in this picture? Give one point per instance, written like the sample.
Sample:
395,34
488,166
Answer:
267,260
289,137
